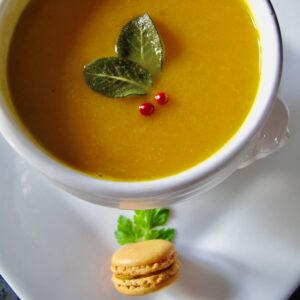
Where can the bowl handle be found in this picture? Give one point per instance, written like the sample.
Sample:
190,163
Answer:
274,135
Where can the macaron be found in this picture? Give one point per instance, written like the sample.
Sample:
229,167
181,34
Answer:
144,267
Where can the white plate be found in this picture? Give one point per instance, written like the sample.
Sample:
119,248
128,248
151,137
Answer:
240,241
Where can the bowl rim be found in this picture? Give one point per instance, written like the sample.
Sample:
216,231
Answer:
68,177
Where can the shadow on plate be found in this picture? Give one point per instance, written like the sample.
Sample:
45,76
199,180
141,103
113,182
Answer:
204,276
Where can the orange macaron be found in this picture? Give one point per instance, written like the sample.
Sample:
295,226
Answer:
144,267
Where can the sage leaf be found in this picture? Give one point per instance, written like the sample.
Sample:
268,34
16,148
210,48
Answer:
140,42
117,77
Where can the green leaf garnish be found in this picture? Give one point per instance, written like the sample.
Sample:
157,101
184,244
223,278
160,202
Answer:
151,218
127,232
161,234
117,78
139,41
146,225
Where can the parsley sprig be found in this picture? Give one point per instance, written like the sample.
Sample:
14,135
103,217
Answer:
146,225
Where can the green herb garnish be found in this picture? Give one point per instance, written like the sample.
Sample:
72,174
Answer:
116,77
139,41
141,55
146,225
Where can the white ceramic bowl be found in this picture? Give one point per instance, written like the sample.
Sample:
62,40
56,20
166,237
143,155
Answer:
264,131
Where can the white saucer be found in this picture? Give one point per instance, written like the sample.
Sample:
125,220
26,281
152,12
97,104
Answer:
240,241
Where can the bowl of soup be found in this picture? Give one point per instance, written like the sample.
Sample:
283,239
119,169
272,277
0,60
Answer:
222,70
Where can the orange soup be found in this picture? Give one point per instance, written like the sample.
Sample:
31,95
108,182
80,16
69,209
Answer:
211,75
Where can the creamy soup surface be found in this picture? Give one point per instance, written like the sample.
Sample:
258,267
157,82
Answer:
211,74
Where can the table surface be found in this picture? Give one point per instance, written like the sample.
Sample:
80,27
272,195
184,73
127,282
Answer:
248,226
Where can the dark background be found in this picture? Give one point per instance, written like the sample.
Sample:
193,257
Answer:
6,292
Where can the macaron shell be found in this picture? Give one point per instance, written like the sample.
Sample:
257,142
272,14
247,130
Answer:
143,253
144,269
145,285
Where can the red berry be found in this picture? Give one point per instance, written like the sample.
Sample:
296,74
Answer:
161,98
146,109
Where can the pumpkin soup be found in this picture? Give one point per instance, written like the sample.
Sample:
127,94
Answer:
210,75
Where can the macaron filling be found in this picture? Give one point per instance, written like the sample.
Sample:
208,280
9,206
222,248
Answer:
120,276
160,278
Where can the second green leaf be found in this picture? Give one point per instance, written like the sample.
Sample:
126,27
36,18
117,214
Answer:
140,42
